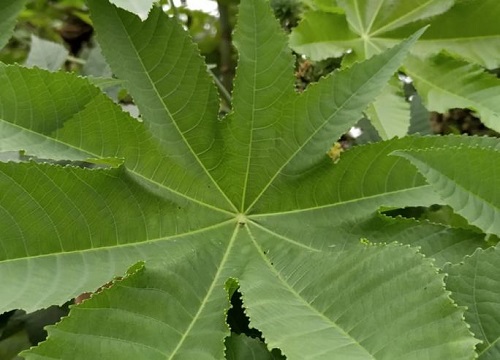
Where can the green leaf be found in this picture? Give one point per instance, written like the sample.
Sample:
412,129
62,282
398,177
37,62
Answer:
140,8
321,35
390,112
367,28
441,243
419,117
58,112
323,300
377,17
96,65
467,28
252,198
96,239
453,173
180,314
181,109
9,10
444,83
46,54
475,283
263,97
242,347
316,127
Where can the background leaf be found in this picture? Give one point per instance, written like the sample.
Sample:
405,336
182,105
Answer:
9,10
444,83
322,35
46,54
467,29
242,347
419,117
390,112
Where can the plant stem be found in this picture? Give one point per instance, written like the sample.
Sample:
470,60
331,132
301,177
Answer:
226,96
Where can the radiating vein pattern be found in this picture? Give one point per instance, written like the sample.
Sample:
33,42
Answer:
63,117
71,209
169,82
180,314
252,135
349,296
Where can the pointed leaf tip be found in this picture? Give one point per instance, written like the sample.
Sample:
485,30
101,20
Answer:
452,172
139,8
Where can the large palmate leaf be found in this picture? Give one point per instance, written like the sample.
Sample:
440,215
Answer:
462,27
197,203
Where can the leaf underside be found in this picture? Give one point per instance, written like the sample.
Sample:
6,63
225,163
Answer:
475,283
200,200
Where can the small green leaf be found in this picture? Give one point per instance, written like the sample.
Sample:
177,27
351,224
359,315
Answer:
419,117
439,242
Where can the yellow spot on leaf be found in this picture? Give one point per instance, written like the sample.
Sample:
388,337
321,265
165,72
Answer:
335,151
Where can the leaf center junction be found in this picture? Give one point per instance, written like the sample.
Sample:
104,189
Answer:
241,219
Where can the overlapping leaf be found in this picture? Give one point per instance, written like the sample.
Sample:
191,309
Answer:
466,29
445,82
461,27
242,347
475,284
453,172
334,305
